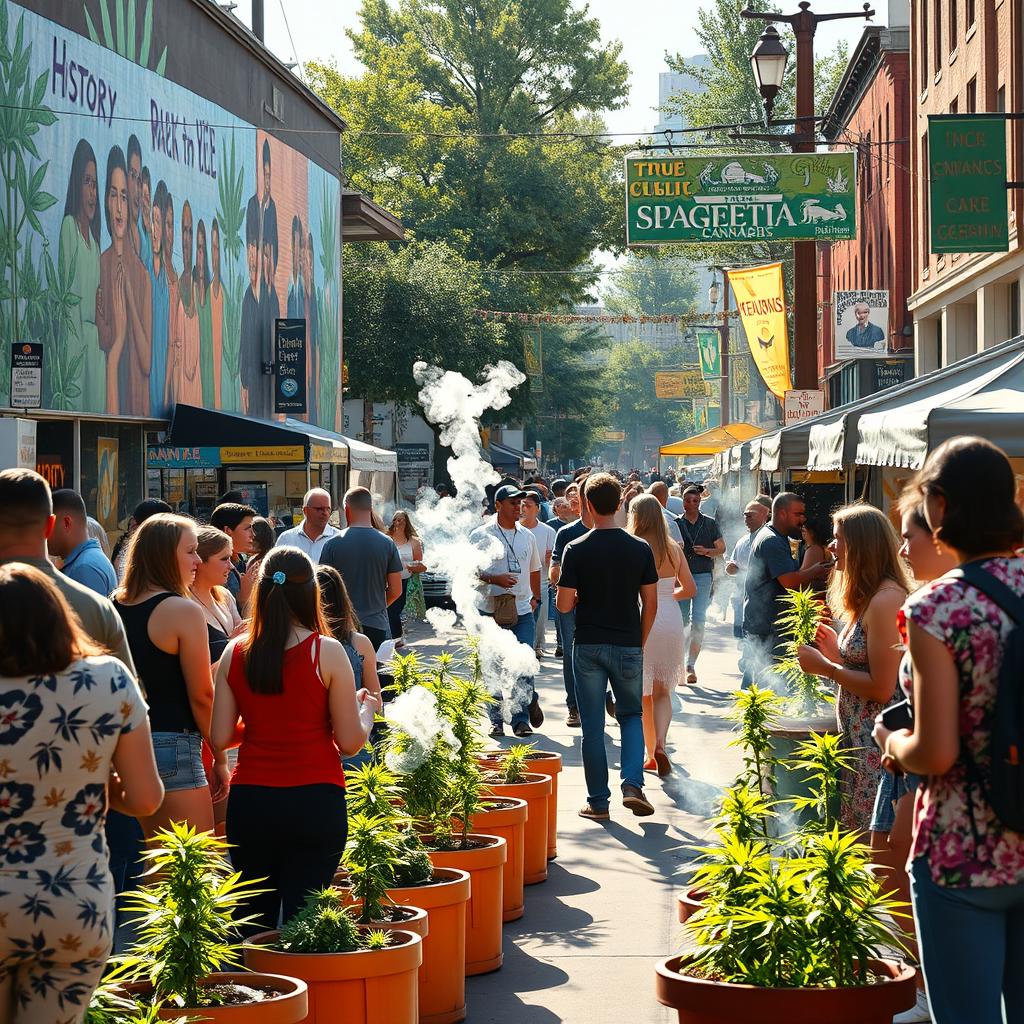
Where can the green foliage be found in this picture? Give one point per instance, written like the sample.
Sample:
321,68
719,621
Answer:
323,925
230,219
327,311
373,848
745,812
109,1005
652,283
377,939
416,867
822,756
513,763
799,624
124,39
755,712
187,923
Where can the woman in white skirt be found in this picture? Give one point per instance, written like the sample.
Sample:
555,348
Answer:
664,660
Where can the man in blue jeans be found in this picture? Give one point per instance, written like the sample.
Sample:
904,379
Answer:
512,578
610,578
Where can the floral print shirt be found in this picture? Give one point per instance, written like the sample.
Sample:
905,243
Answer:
58,734
974,630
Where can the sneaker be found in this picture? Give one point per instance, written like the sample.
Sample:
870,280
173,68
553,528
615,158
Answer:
558,652
522,729
497,731
633,798
572,720
919,1013
609,706
536,715
594,813
539,651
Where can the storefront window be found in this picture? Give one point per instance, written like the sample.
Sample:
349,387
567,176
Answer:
112,471
55,452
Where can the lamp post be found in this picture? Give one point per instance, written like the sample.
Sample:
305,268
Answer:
768,60
714,294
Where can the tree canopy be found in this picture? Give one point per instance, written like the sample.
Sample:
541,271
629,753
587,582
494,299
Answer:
652,284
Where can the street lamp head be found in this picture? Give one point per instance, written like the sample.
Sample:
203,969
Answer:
714,293
769,63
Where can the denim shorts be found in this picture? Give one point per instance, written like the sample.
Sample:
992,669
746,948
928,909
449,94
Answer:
890,789
179,760
695,608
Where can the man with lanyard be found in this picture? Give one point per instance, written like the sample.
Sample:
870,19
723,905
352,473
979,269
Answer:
513,572
702,544
314,531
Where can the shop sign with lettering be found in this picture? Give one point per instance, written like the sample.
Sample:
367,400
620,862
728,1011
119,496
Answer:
160,456
290,365
967,183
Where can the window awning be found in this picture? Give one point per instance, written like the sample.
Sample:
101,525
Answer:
712,441
504,455
362,220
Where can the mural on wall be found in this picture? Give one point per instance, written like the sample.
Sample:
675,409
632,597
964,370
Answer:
148,237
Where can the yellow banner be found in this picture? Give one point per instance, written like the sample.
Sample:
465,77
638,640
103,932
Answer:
679,384
270,453
761,300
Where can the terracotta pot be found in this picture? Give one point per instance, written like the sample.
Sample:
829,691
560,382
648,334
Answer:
485,862
507,818
288,1005
543,762
417,921
699,1001
536,791
368,986
688,903
442,980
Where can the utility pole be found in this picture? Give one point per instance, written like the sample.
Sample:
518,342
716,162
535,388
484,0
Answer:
805,282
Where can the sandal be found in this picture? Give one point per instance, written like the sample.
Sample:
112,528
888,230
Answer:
664,765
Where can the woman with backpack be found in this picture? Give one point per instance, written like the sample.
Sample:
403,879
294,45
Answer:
967,858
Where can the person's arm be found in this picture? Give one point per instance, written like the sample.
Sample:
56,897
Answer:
565,598
134,787
685,586
351,714
394,589
224,725
814,554
648,609
417,565
798,578
247,580
535,585
194,655
371,681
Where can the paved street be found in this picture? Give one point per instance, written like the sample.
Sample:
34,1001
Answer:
585,949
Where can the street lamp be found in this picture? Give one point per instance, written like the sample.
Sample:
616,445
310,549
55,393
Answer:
714,293
769,63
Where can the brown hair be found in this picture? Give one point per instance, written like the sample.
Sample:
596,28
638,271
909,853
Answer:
410,530
647,521
152,559
603,491
910,503
39,633
336,604
358,498
24,499
211,542
872,558
286,595
263,537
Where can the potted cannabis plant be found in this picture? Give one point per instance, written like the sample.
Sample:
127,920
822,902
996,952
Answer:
189,921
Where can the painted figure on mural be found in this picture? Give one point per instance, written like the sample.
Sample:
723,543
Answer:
174,315
270,305
216,312
146,220
250,347
186,372
268,209
161,290
123,302
296,293
311,311
80,247
201,277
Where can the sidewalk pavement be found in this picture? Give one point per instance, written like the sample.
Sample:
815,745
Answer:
586,948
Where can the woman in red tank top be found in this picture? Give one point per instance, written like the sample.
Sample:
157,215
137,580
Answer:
285,690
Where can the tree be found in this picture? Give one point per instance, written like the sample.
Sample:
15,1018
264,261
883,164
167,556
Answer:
653,285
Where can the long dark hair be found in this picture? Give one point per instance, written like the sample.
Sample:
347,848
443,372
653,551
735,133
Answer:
287,595
263,536
115,162
336,604
84,155
201,233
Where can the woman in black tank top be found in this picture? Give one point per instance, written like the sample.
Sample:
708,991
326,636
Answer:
210,593
169,642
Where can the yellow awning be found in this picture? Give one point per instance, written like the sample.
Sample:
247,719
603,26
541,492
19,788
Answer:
713,441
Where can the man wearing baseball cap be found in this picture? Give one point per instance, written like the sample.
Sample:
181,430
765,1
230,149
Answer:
515,571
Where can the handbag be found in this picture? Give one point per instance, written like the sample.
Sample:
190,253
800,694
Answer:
505,613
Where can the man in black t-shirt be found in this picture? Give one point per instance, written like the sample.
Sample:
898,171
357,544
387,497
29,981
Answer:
610,578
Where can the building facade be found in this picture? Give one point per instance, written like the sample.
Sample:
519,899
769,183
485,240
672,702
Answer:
871,112
965,58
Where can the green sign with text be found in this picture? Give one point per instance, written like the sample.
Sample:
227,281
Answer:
747,198
967,183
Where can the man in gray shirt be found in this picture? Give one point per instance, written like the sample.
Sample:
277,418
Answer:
369,563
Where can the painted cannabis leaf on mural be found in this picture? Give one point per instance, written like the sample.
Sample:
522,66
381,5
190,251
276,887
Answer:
126,37
327,310
231,217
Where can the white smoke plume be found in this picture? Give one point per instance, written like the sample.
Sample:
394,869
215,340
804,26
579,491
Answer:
456,404
415,714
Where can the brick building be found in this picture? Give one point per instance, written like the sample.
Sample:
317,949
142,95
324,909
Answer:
965,58
871,109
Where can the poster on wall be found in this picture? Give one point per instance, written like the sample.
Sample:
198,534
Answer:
106,482
160,236
26,375
414,470
862,324
290,366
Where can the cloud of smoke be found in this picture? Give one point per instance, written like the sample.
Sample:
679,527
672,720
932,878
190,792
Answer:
455,404
415,714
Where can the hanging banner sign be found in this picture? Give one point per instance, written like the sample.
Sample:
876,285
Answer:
672,384
26,375
761,301
967,183
862,324
612,435
290,365
533,357
709,348
803,405
758,197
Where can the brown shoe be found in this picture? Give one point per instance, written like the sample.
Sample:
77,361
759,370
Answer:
609,706
691,676
594,813
572,720
633,798
536,715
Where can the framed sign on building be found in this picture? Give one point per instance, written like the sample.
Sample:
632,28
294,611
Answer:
862,324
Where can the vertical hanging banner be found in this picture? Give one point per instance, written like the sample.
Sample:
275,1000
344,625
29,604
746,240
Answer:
290,365
710,351
533,358
106,482
761,301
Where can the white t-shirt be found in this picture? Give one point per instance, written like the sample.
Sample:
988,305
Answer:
672,526
545,539
518,555
297,537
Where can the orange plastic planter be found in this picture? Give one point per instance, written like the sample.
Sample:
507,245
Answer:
508,820
289,1004
536,791
368,986
543,762
442,981
486,866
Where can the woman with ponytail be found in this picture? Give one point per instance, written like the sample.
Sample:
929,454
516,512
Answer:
285,688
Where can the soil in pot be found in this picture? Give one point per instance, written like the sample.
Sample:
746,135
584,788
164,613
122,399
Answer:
280,999
442,977
536,791
484,858
396,918
506,817
542,762
378,986
701,1001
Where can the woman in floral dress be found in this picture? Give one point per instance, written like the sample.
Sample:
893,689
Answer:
73,729
866,592
966,865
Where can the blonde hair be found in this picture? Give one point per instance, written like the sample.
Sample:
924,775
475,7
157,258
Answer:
152,559
410,530
872,558
647,521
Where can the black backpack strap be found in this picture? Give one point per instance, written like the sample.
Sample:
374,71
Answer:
973,574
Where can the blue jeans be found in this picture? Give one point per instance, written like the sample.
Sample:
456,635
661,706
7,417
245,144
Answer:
554,615
523,691
567,624
695,610
594,667
972,949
